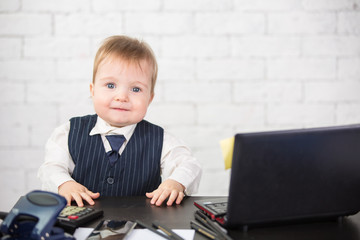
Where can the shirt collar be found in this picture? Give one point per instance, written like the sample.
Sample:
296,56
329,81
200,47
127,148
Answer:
103,128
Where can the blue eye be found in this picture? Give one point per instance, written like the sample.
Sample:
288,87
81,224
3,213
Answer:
110,85
136,89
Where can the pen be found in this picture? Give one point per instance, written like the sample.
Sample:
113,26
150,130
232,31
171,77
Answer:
96,229
203,230
168,231
210,224
152,229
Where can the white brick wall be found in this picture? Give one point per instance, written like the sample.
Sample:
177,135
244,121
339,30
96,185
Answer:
225,67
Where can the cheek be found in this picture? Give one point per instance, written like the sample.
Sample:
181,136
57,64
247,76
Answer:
100,101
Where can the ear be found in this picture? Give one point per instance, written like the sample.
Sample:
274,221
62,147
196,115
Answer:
151,98
91,89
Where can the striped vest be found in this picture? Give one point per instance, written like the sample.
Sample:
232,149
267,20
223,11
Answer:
135,173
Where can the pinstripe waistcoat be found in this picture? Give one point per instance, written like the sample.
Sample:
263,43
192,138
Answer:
135,173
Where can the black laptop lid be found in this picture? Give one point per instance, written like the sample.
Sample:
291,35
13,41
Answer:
297,174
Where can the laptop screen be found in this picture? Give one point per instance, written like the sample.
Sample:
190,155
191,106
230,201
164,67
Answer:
295,174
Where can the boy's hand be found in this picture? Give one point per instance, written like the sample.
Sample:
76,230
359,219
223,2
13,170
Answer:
168,189
72,190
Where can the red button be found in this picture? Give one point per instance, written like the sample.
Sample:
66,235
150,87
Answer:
73,217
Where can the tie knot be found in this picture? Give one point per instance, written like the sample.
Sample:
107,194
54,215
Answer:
116,141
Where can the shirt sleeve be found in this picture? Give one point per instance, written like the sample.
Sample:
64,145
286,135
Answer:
177,163
58,164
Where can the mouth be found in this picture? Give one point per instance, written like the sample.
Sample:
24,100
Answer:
120,109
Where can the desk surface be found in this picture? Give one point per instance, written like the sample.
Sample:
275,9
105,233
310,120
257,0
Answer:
179,216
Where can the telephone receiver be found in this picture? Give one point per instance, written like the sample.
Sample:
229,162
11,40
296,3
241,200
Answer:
34,216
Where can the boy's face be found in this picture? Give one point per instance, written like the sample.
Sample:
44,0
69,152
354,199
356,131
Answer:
122,91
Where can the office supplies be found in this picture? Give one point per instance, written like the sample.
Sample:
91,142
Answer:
40,209
112,229
72,217
292,175
207,222
144,225
203,230
130,230
96,229
167,231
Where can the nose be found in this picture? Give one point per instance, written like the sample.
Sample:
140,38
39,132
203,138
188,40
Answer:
121,95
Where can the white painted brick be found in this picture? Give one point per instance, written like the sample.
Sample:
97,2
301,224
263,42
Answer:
57,47
24,115
27,69
82,108
12,190
349,68
324,5
16,135
332,92
176,69
158,23
215,183
230,23
199,92
301,114
13,93
263,92
25,24
265,5
88,24
125,5
229,68
18,158
55,5
171,114
265,46
10,48
302,23
32,182
266,127
198,5
211,158
196,46
200,137
302,68
348,22
348,113
233,115
9,5
57,92
39,134
331,46
79,68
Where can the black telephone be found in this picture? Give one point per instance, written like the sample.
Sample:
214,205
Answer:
34,217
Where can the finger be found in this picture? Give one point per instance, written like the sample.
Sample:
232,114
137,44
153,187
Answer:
93,195
150,195
172,197
87,198
68,199
155,197
78,199
164,195
180,197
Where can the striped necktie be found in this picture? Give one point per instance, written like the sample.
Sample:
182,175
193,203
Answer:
116,141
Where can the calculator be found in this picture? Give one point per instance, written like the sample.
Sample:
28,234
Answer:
72,217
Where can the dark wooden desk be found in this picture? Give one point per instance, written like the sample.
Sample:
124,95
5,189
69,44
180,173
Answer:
132,208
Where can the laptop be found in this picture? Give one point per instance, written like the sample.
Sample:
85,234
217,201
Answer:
291,175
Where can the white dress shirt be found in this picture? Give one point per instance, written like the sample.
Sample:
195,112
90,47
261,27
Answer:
177,162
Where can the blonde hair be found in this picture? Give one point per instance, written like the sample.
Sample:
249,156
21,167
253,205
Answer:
128,49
